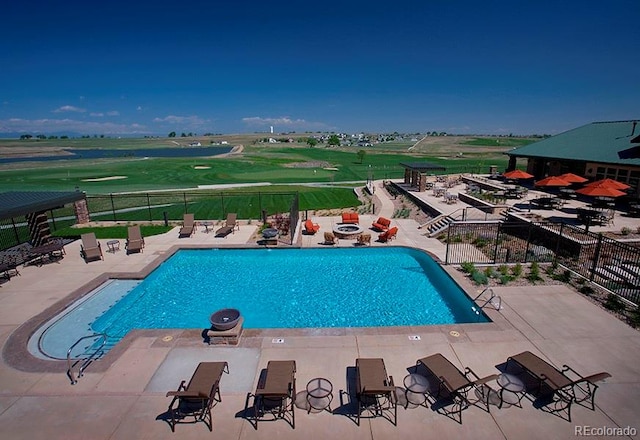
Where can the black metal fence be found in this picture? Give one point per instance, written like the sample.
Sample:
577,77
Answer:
607,262
161,206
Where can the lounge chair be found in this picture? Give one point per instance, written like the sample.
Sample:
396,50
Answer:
229,226
553,388
90,248
310,227
388,235
375,391
276,392
188,226
135,242
382,224
330,238
452,387
199,396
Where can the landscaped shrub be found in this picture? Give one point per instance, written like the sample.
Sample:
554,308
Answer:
468,267
517,270
489,272
614,303
503,269
504,279
534,273
625,231
564,277
634,317
587,290
479,277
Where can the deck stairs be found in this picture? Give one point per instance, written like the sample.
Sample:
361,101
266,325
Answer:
437,225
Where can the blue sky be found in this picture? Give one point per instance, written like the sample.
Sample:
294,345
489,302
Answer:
148,68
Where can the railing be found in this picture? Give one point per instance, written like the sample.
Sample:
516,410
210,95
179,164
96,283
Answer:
494,300
85,361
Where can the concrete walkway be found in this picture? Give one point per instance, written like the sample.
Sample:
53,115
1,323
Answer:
123,396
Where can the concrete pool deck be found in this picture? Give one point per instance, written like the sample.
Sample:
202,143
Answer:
125,397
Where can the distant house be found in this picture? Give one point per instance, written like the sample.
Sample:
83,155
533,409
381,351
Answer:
195,144
596,151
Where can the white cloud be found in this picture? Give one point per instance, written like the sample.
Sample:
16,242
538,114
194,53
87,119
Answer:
68,125
98,115
113,113
283,122
139,108
69,108
186,121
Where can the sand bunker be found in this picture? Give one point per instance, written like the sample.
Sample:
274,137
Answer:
201,167
102,179
330,169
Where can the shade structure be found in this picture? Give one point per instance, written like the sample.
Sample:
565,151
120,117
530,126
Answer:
517,174
609,183
573,178
552,181
600,191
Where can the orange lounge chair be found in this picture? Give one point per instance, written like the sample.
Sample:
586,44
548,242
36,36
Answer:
310,227
388,235
382,224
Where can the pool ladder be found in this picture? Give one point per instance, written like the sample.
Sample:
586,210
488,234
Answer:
85,361
494,300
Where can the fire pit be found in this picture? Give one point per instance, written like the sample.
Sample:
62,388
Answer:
347,231
225,319
270,233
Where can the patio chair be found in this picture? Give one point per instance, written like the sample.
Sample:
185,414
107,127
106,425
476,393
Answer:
375,391
553,388
364,239
310,227
90,248
188,226
199,396
135,241
275,393
388,235
382,224
452,387
330,238
230,225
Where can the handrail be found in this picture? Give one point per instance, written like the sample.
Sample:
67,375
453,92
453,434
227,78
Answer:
495,304
85,361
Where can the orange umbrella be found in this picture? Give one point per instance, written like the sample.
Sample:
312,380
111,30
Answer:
600,191
609,183
572,178
552,181
517,174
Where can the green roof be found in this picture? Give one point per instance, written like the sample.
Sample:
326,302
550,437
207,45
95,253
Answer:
599,142
17,203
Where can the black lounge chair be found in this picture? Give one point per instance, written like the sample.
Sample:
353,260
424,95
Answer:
452,387
375,391
275,393
554,389
229,227
199,396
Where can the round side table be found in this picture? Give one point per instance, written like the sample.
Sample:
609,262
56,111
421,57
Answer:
319,394
512,390
417,387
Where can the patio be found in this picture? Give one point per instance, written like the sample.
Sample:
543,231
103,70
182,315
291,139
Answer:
123,395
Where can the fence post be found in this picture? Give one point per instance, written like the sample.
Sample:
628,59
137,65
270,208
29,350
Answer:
446,257
149,206
184,197
596,257
526,251
495,249
555,253
259,201
113,208
222,203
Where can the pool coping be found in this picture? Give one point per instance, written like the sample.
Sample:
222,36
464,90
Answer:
16,354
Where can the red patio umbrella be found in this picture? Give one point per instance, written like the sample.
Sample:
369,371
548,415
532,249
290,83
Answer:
600,191
609,183
552,181
573,178
517,174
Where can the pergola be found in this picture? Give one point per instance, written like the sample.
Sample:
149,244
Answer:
415,173
34,206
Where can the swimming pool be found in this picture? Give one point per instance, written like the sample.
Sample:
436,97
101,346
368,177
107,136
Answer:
273,288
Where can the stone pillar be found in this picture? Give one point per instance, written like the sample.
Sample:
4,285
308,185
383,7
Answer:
407,176
82,211
414,178
422,182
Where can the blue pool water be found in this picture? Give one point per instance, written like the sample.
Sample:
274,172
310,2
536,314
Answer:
274,288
